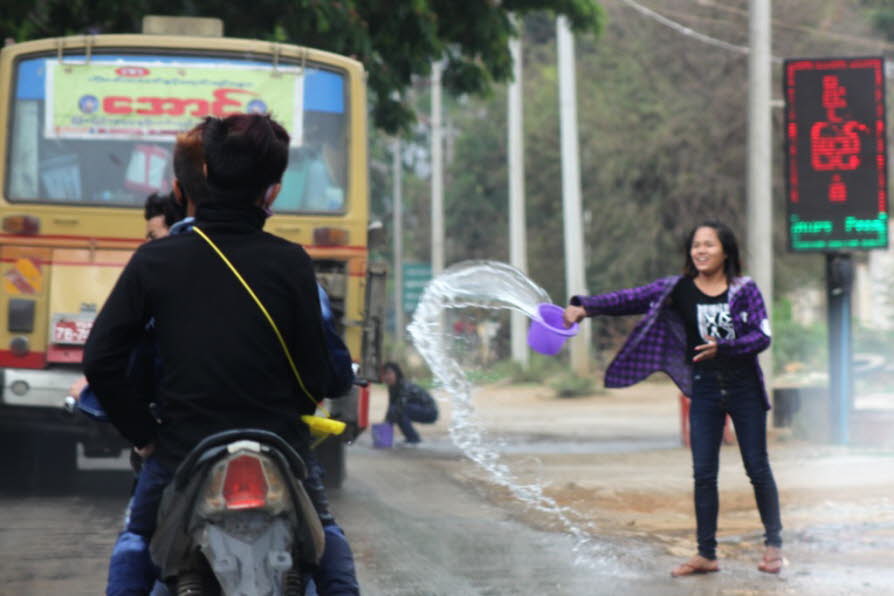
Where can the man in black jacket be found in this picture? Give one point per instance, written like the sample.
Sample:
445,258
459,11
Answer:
223,366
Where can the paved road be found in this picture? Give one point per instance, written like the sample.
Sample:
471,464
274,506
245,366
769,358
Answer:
419,531
416,529
60,544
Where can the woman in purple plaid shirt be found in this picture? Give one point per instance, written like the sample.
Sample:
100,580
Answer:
705,330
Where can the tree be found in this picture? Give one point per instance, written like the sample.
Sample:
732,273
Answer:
396,40
663,128
881,14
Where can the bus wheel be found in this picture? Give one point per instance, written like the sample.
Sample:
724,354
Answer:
331,455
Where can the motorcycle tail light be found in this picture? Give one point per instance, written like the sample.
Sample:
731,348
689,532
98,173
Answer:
276,487
245,481
213,499
245,485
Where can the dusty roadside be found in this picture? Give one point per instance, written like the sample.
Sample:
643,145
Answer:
616,460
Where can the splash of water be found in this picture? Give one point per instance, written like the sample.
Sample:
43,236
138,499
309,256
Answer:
491,285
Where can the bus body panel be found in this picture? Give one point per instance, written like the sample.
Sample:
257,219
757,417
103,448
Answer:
63,271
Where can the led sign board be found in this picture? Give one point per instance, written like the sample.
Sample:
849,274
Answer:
835,154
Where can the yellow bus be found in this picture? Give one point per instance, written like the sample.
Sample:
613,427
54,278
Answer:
90,123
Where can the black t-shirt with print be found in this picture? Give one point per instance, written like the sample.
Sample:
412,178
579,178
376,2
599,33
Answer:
703,316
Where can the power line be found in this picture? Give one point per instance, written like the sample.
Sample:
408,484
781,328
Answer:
707,39
874,43
683,29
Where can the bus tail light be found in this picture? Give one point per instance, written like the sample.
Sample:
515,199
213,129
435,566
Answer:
330,237
22,225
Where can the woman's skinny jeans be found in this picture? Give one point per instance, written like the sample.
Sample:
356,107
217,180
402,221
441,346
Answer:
717,392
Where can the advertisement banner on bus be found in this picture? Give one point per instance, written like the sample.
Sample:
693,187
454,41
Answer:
156,101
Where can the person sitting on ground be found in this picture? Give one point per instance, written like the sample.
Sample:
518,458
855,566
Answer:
407,403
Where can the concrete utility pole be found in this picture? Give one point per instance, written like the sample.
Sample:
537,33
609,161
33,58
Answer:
517,243
760,164
437,174
397,199
575,276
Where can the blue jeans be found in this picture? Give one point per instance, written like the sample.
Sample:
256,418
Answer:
716,393
132,573
405,416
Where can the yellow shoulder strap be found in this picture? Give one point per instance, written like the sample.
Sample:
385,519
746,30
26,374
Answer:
257,300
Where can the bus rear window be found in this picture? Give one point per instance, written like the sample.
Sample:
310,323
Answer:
102,132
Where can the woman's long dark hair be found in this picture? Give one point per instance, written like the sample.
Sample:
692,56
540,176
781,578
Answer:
395,368
732,266
394,390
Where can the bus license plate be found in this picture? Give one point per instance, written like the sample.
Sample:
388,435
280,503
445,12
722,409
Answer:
72,331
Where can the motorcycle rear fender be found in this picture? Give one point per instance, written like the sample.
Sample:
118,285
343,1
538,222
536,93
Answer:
178,525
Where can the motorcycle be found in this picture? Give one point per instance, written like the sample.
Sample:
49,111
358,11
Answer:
237,521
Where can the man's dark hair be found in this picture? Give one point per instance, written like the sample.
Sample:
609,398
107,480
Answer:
245,154
732,266
189,159
166,205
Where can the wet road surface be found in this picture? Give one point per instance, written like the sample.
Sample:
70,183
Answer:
433,535
61,544
416,527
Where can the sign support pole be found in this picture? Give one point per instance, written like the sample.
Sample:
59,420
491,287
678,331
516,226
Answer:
839,281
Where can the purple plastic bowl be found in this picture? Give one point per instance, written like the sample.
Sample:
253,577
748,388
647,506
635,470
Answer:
548,334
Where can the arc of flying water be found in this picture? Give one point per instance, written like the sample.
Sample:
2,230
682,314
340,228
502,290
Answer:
491,285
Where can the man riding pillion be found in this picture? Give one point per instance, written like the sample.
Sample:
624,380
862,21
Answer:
223,367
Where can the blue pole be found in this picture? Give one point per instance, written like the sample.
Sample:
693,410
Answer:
839,279
844,395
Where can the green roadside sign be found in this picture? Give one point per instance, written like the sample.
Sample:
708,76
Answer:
416,277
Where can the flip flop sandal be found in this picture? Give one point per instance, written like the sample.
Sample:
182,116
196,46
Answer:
773,565
688,568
